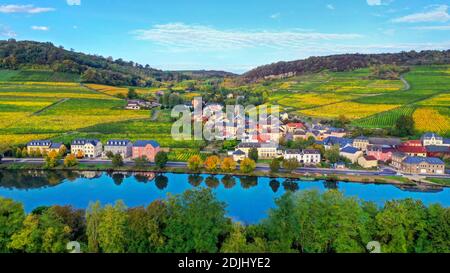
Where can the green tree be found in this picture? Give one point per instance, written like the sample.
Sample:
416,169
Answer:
11,218
196,224
333,154
112,228
161,160
195,163
248,165
117,160
132,94
404,126
253,154
141,162
70,161
274,165
290,164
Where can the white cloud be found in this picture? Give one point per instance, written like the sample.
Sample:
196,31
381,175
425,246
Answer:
275,15
330,6
179,36
447,27
41,28
23,9
378,2
73,2
435,14
7,32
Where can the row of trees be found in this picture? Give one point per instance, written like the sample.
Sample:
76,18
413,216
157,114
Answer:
196,222
214,163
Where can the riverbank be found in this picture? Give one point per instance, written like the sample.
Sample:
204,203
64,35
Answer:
310,176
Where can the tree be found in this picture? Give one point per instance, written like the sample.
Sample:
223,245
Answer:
62,151
117,160
132,94
274,165
333,154
112,228
12,215
93,218
228,164
45,233
70,161
253,154
51,160
109,155
80,154
248,165
161,160
140,162
194,163
198,221
404,126
24,153
290,164
212,163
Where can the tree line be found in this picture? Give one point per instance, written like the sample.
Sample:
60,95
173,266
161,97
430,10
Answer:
196,222
349,62
92,68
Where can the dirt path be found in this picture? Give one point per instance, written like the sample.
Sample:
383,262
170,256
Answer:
406,83
50,106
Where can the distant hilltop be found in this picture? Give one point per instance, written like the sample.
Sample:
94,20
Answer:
346,62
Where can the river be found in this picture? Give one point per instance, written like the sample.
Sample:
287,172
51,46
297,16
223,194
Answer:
248,199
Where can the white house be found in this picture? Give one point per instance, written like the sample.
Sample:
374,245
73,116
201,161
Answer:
307,157
89,148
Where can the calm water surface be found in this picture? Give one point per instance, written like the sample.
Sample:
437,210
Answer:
248,199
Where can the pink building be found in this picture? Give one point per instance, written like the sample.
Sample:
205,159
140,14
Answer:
381,153
146,148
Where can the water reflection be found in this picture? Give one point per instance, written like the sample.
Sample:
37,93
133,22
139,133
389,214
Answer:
228,181
275,185
161,182
195,180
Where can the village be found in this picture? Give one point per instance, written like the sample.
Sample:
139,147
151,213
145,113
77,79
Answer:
270,139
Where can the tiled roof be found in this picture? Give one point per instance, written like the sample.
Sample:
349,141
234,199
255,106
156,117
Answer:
332,140
431,135
143,143
56,145
418,160
85,141
412,149
438,149
117,142
238,152
384,141
349,150
39,143
370,158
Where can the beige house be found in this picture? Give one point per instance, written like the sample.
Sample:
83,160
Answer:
423,165
361,143
307,157
88,148
265,150
351,153
43,146
368,162
239,155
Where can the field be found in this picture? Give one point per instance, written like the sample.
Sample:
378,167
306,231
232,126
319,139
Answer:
369,103
63,111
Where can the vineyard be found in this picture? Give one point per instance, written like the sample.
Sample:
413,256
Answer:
182,155
432,120
386,119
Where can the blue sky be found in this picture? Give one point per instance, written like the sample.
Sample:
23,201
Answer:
232,35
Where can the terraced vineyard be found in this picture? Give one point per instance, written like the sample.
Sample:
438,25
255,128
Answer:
385,119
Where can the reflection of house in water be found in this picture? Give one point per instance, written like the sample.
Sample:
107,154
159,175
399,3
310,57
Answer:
90,174
144,177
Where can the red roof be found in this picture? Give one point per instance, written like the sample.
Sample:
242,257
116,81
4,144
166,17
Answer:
370,158
295,125
412,149
412,143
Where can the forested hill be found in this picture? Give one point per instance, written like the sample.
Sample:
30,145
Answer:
346,62
92,68
206,73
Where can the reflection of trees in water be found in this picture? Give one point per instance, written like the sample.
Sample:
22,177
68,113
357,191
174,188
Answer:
161,182
275,185
118,178
33,179
331,185
228,181
212,182
248,182
195,180
290,185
